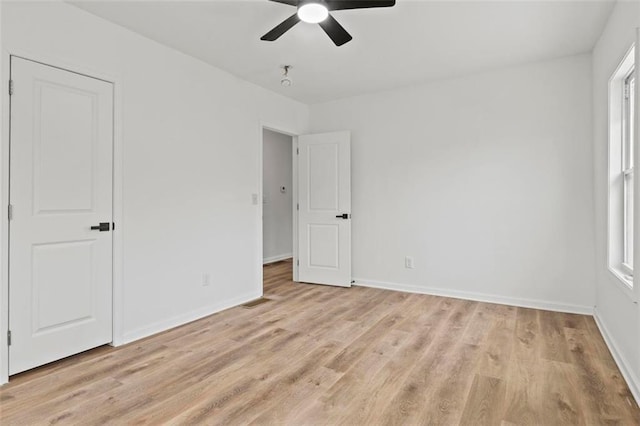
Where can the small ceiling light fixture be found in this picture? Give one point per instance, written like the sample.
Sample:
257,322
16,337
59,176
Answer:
312,11
286,81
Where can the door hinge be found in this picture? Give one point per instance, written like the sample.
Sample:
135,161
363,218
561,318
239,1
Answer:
298,262
10,87
297,151
298,206
9,338
10,212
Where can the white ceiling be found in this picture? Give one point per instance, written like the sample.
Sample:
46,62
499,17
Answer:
413,42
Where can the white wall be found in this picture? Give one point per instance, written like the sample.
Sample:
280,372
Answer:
615,310
277,213
191,137
485,180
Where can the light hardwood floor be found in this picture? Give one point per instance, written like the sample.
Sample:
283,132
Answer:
322,355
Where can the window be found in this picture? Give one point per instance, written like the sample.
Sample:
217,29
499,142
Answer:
621,169
627,169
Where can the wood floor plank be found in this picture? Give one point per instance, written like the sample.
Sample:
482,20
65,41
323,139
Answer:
496,350
602,388
554,345
485,403
450,390
321,355
446,360
560,401
349,355
289,401
271,382
346,394
527,334
477,331
524,390
74,397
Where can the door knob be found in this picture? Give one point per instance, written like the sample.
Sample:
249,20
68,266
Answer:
343,216
103,227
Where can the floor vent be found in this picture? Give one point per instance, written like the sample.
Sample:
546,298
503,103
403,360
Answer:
256,302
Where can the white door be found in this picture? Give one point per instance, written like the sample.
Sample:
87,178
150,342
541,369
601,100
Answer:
324,218
60,269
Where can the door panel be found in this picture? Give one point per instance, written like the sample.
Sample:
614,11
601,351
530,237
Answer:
60,270
64,124
324,245
324,174
323,177
61,184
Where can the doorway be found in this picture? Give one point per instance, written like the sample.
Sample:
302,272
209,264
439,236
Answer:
317,238
277,197
61,214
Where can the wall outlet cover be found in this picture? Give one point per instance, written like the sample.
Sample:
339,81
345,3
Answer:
408,262
206,279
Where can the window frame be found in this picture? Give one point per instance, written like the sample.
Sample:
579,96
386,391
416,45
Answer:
628,123
620,166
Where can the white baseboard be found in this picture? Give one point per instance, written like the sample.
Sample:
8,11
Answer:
185,318
621,361
479,297
278,258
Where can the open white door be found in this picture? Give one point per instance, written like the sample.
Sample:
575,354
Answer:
324,218
60,272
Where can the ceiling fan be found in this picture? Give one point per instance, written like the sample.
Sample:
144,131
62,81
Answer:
317,12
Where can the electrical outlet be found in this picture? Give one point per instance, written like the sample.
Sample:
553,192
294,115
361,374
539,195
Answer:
408,262
206,279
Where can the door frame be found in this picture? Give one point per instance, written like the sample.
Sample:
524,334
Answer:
117,254
294,195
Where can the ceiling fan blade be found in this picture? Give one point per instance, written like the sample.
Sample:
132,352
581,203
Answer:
358,4
282,28
289,2
335,31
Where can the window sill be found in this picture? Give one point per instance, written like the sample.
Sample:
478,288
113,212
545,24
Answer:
625,282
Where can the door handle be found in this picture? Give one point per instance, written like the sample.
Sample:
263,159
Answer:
103,227
343,216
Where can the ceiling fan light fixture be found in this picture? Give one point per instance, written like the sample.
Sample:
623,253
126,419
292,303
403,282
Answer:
317,12
313,12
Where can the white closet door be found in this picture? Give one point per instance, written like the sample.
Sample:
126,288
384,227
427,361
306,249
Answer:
60,276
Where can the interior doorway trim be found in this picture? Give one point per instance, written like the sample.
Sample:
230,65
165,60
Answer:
116,79
294,193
